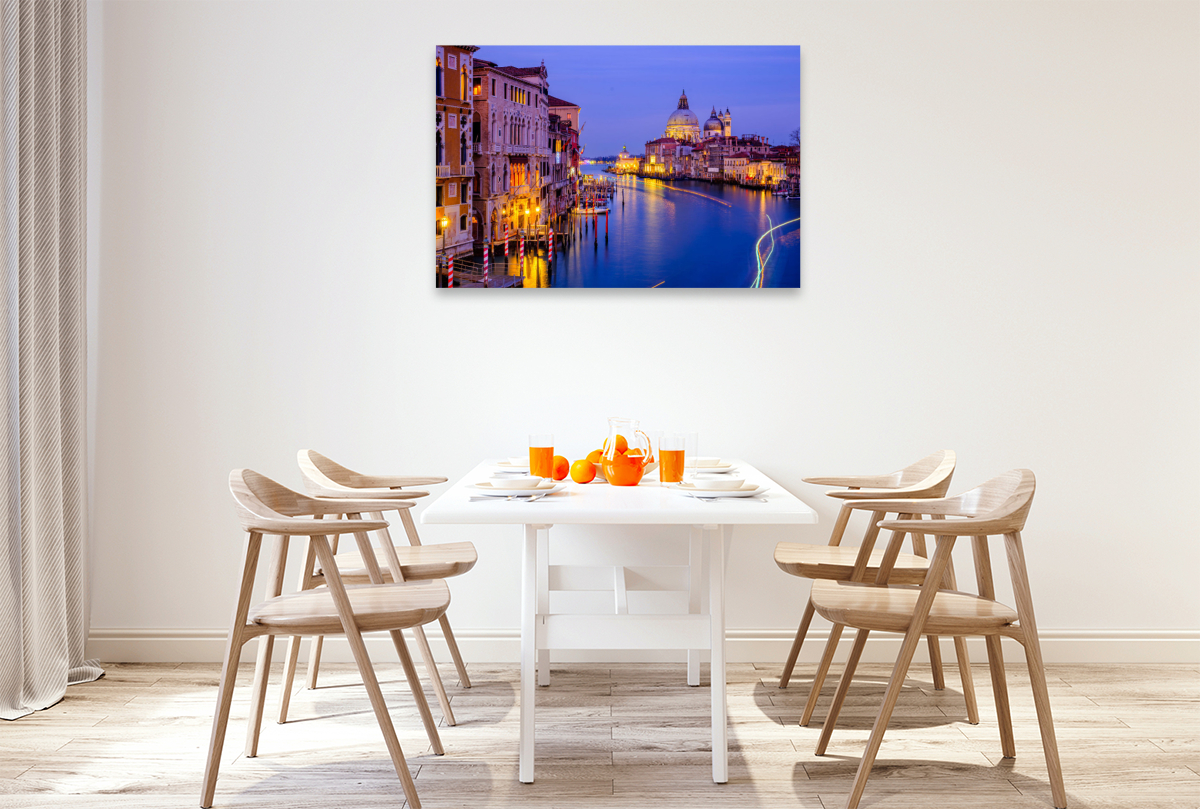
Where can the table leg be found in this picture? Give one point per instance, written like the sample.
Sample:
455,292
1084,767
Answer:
695,568
543,599
716,608
528,650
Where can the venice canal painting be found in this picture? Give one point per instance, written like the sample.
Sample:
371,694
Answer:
617,166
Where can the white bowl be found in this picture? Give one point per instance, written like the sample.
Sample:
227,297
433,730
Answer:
522,482
700,463
519,461
722,483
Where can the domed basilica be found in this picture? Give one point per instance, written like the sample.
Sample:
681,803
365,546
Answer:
684,126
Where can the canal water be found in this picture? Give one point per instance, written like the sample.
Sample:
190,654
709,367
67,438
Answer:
675,233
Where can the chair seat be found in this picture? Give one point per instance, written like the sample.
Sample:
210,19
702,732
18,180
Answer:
376,607
837,563
889,608
417,562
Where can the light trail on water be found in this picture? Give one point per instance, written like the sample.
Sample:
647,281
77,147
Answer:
762,262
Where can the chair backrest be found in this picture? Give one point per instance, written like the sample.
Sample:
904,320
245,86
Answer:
260,500
1003,501
928,477
932,470
999,506
321,472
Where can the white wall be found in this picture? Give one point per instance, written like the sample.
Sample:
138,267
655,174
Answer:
1000,256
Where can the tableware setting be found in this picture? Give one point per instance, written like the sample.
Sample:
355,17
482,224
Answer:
517,486
711,482
745,490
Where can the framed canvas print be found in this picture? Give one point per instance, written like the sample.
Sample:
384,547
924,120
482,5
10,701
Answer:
617,166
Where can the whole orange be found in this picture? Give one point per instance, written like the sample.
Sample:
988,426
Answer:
583,471
560,466
595,455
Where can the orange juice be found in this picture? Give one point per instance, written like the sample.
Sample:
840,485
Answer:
670,465
541,461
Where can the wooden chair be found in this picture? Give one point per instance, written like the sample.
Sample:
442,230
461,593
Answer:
928,477
406,563
264,507
998,507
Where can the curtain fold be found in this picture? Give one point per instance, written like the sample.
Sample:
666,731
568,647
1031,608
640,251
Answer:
43,495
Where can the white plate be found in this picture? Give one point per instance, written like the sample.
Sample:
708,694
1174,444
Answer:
747,490
509,466
498,488
709,470
708,465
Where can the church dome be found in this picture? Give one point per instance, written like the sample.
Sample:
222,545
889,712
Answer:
682,115
713,124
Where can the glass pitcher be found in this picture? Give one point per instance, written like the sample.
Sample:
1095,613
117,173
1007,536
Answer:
628,453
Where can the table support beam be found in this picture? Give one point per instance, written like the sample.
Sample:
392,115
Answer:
695,571
716,608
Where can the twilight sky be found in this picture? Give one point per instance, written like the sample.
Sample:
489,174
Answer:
627,92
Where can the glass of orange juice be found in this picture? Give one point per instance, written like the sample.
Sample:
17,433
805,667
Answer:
671,448
541,454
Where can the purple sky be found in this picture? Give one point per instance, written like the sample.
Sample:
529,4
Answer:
626,92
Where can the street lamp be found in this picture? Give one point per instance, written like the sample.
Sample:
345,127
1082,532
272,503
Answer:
445,226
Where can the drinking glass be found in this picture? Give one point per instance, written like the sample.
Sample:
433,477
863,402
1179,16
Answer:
671,456
541,454
691,452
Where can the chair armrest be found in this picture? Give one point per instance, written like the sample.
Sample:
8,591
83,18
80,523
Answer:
878,494
371,494
308,528
855,481
949,528
348,505
915,505
397,481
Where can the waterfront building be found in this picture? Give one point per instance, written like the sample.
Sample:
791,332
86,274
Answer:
454,160
766,172
626,163
513,159
567,159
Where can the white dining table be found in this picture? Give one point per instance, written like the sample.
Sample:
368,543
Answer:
597,503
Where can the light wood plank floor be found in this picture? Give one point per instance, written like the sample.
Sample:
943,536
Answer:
610,736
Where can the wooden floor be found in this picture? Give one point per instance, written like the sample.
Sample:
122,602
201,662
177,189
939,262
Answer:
610,736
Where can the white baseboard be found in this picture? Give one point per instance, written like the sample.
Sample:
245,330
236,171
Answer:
742,646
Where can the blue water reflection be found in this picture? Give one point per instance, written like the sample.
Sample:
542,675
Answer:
678,233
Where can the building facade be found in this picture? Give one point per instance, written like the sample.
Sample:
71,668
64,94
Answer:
513,159
453,147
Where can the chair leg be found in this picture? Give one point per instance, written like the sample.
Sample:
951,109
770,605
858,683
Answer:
1008,742
220,722
835,634
839,697
790,663
367,672
935,662
464,679
1037,669
434,676
258,694
912,638
968,682
289,676
314,661
262,666
233,651
895,685
414,684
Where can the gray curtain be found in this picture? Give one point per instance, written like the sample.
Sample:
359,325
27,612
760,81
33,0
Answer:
43,496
